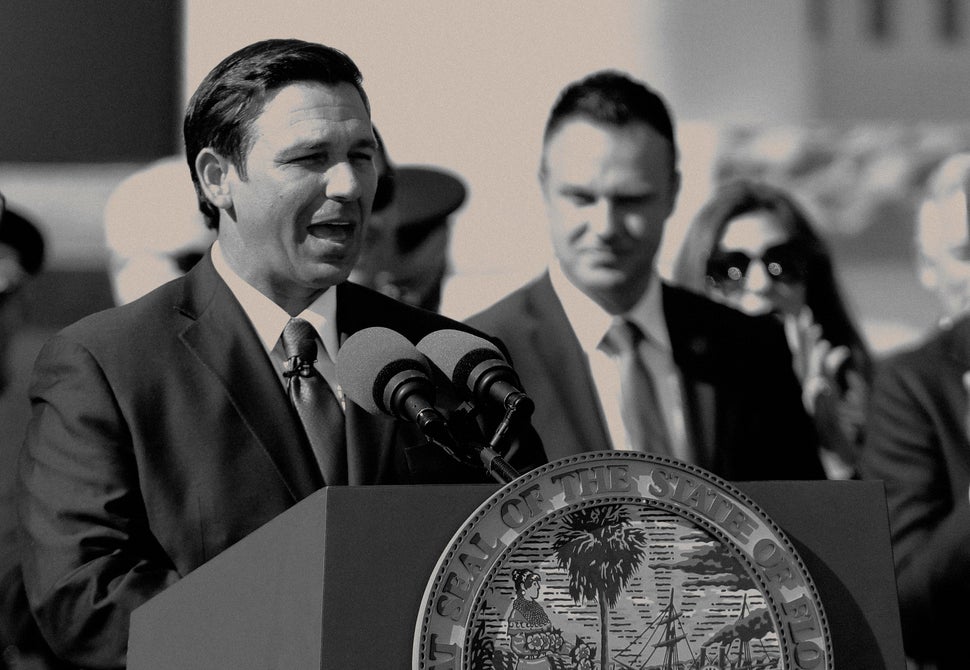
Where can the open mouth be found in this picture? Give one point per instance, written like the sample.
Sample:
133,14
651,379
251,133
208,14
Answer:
332,230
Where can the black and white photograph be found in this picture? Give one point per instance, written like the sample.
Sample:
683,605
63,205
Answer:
293,292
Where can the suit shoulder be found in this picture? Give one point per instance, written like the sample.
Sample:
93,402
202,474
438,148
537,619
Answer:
712,339
123,327
682,306
508,310
686,300
943,348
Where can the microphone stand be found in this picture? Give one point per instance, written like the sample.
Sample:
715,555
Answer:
496,466
493,462
518,407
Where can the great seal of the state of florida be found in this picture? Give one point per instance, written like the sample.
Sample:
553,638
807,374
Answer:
616,560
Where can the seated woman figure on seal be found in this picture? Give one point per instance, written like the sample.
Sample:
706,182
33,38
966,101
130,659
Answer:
535,642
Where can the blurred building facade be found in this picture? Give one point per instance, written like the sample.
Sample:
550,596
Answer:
808,60
890,59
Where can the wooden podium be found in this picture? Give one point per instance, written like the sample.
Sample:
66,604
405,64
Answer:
337,581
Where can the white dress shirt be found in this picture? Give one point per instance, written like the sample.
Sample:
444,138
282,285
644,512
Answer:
590,323
269,319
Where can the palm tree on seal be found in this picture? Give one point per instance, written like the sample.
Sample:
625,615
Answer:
600,551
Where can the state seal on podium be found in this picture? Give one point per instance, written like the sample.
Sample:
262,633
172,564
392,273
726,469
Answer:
619,560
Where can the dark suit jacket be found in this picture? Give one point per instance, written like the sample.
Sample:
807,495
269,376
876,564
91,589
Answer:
741,396
917,442
161,435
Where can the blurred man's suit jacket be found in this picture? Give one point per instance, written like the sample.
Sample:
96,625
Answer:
742,400
918,443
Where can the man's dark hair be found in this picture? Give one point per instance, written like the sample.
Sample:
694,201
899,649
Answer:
223,108
612,98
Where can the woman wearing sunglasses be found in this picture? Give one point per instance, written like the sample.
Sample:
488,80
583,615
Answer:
752,247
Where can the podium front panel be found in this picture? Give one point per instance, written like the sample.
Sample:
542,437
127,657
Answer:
337,581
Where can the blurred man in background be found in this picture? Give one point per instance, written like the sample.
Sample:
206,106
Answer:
405,251
613,356
918,436
943,236
154,229
21,257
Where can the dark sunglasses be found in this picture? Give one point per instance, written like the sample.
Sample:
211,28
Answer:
785,263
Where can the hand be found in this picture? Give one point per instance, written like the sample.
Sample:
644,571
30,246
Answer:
839,410
815,360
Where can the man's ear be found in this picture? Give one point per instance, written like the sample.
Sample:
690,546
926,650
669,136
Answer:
214,171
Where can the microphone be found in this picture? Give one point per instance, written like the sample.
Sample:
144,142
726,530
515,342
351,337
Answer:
380,370
476,365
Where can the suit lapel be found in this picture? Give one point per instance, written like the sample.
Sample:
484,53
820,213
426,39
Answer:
576,424
958,343
223,340
957,347
370,439
701,405
700,399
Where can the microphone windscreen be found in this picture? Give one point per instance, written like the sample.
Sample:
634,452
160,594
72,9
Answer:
456,353
368,360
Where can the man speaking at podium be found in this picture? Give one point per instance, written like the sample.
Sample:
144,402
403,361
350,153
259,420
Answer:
166,430
614,357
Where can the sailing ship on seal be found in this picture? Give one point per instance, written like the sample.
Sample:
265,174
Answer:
729,649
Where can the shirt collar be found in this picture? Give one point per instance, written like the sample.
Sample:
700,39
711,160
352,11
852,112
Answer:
648,313
268,318
590,321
